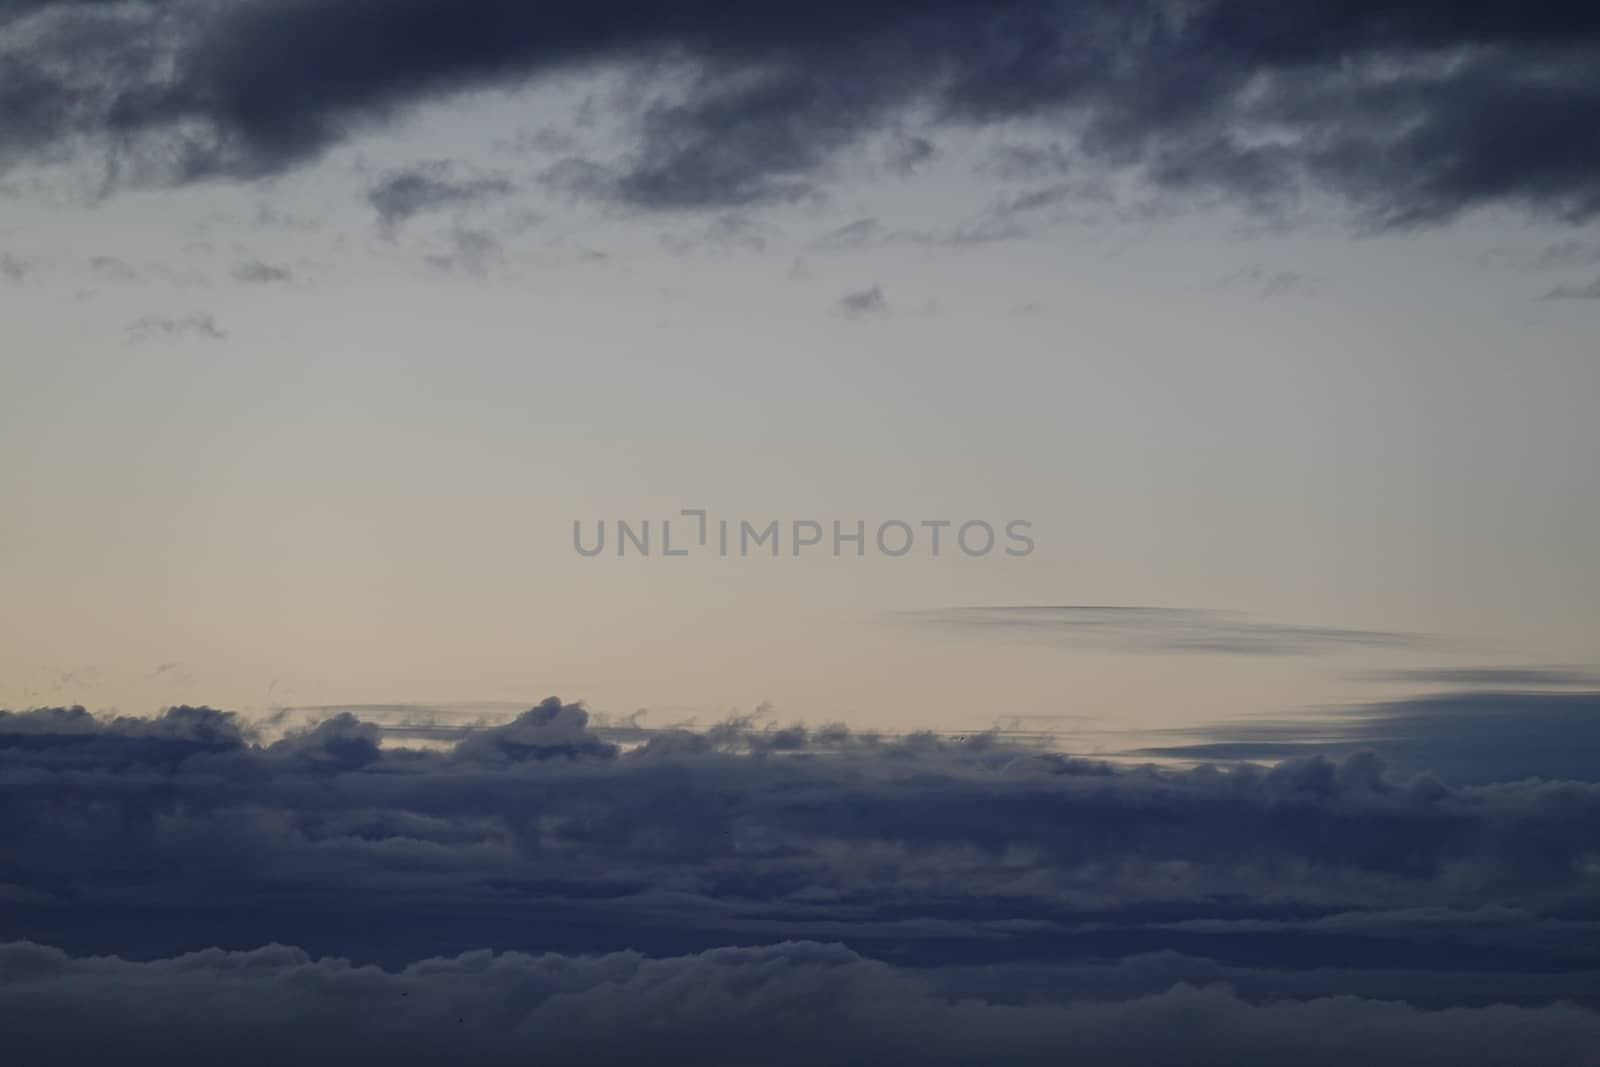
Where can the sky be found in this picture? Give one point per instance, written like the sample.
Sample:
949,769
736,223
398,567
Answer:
1211,382
315,428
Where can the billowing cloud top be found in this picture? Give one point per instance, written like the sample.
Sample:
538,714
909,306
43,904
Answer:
1411,110
951,878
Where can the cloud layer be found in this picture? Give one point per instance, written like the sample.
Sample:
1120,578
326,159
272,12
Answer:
905,898
795,1003
1409,110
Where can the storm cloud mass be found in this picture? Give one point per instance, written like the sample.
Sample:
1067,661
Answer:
1407,111
900,899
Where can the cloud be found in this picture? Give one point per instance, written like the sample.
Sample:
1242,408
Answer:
255,272
730,231
1268,283
1410,113
792,1003
157,836
1575,292
112,269
552,730
899,898
472,251
863,304
1488,677
14,268
1569,253
1159,629
153,327
429,187
1471,736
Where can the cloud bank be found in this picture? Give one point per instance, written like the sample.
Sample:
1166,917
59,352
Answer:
1410,111
795,1003
897,899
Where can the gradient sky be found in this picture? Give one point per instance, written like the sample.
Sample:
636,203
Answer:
1271,326
314,430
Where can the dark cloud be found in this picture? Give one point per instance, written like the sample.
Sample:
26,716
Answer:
14,268
112,269
428,187
1410,110
1489,677
857,234
1160,629
723,233
255,272
795,1003
1472,736
1267,283
865,303
471,251
1575,292
909,153
160,835
918,899
1569,253
153,327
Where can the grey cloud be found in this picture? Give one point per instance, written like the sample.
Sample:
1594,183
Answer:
989,897
908,153
112,269
255,272
1008,218
1160,629
14,268
169,834
1410,112
428,187
1488,677
1027,162
865,303
550,731
851,235
1469,736
729,231
153,327
1268,283
472,251
1569,253
793,1003
1575,292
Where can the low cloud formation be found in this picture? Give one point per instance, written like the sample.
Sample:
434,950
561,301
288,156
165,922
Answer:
793,1003
1159,629
162,835
1409,112
1481,735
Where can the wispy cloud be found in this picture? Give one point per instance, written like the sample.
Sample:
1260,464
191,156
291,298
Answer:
1472,736
1159,629
255,272
402,195
863,304
1575,292
166,327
